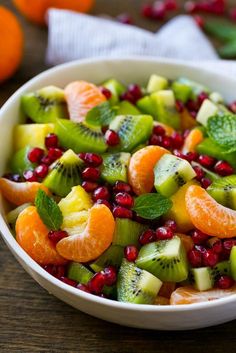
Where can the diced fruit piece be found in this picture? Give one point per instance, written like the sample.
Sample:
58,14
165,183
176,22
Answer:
221,221
20,193
146,106
192,140
196,88
82,96
132,130
207,173
45,105
65,174
32,135
13,215
202,278
116,88
79,273
233,262
111,257
127,108
206,110
187,120
127,232
79,137
140,171
164,103
223,190
182,92
115,167
20,161
171,173
166,259
93,241
186,241
135,285
221,269
156,83
32,235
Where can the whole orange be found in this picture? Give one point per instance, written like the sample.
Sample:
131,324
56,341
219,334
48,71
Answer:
11,43
36,10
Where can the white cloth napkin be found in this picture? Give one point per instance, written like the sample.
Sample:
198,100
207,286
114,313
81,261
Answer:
77,36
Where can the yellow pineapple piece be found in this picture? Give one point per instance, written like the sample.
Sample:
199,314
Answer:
31,135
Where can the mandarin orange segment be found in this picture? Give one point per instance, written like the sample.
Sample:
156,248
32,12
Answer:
140,171
19,193
81,96
209,216
93,241
192,140
32,235
187,121
188,295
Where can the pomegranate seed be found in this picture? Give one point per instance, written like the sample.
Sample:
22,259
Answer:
56,271
232,107
190,6
163,233
35,155
177,140
54,154
89,186
198,237
232,14
51,140
29,175
68,281
46,160
125,18
97,282
201,97
192,105
177,153
199,21
200,248
83,287
104,202
91,174
101,192
228,244
147,236
124,199
217,247
13,177
210,258
122,212
166,142
136,91
195,258
110,275
159,130
224,282
170,5
205,182
171,224
223,168
179,106
112,138
131,253
41,170
121,186
206,161
199,172
91,159
191,156
146,11
155,140
127,96
106,92
57,235
158,10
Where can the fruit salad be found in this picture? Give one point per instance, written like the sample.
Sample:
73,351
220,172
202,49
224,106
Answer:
127,192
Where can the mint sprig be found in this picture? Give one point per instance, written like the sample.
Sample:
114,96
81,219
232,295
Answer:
48,210
152,205
222,129
101,115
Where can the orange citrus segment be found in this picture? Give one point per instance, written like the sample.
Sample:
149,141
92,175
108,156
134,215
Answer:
19,193
94,240
186,241
140,171
32,235
187,121
81,96
192,140
208,215
188,295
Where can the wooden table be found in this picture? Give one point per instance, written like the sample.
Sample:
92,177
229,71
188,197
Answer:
33,321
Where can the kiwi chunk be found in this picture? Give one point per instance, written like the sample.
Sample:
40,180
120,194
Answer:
127,232
182,92
202,279
171,173
79,273
222,268
13,215
132,130
32,135
127,108
196,88
80,137
156,83
232,260
146,106
164,103
45,105
115,167
65,174
165,259
116,88
135,285
223,191
112,256
20,162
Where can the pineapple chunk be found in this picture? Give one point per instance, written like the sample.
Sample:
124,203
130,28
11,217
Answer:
32,135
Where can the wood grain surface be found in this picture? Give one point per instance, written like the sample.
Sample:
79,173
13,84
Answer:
33,321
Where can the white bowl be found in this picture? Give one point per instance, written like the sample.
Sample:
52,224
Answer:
138,70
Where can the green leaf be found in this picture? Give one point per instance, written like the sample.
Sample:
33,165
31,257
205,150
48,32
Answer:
48,210
151,206
222,129
221,29
101,115
228,50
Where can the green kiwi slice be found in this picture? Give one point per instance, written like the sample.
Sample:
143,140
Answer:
223,190
64,174
45,105
127,232
115,166
232,260
13,214
79,273
201,278
127,108
132,130
20,162
116,88
222,268
80,137
135,285
112,256
165,259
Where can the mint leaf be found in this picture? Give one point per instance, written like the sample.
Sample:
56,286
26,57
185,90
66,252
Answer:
151,206
101,115
48,210
222,129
